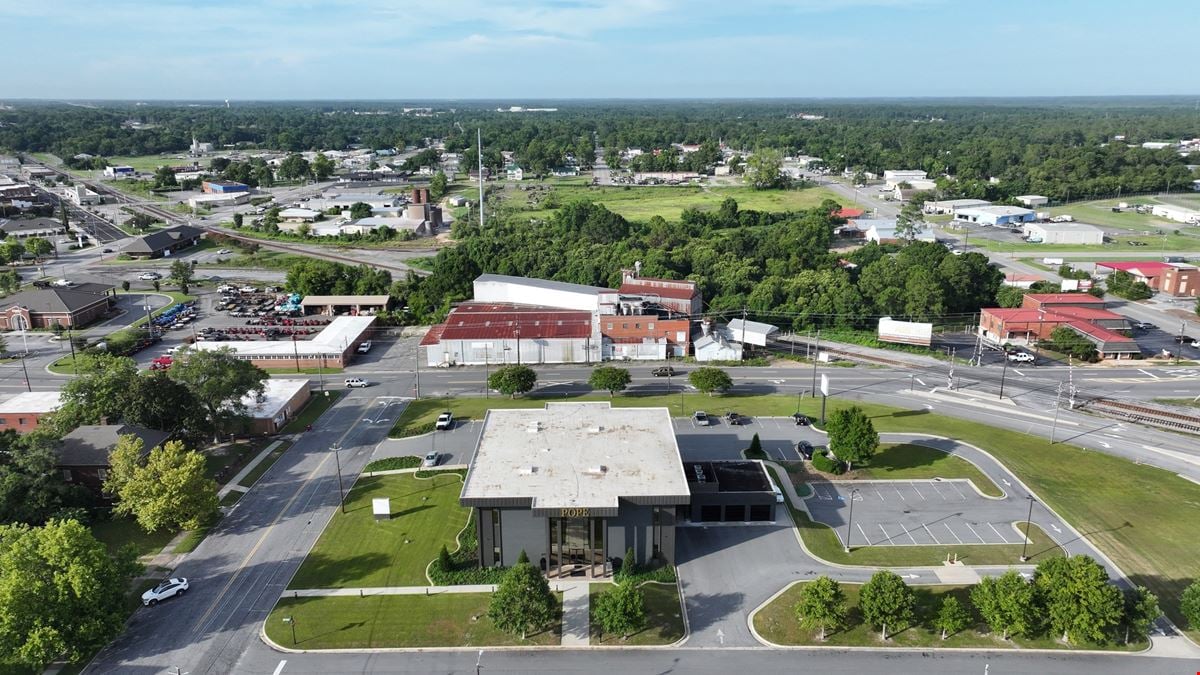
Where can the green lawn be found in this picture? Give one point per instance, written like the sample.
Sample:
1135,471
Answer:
356,550
644,202
192,540
777,623
270,260
664,618
906,461
1188,402
148,163
224,463
232,497
383,621
316,406
1100,213
118,532
267,462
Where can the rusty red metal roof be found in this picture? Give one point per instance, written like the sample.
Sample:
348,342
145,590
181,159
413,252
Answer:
503,321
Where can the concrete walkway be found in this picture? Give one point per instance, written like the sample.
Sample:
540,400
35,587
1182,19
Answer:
576,623
233,482
558,586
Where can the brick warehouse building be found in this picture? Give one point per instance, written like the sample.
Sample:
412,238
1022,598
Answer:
1041,313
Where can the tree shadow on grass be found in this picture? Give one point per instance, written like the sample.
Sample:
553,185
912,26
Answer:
321,570
344,627
901,413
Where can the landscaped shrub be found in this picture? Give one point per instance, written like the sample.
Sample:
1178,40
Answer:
825,464
464,563
393,463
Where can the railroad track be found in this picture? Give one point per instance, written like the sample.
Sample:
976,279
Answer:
1146,414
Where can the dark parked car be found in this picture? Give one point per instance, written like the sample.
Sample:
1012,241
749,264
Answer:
735,419
804,449
801,420
663,371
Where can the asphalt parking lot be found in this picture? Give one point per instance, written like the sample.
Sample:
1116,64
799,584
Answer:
723,441
913,513
454,446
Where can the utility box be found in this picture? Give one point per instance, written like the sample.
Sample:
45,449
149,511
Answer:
382,508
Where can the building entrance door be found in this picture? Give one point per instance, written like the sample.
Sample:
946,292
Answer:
576,547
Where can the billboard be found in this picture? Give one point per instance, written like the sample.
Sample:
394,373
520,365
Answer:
905,332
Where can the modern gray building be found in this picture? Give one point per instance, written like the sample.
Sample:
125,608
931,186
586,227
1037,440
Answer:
575,485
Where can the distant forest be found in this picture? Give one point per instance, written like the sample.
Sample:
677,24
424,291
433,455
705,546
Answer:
1054,147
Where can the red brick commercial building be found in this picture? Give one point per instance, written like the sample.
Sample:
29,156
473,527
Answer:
333,347
644,337
281,401
1042,313
24,412
46,307
670,295
1177,279
496,333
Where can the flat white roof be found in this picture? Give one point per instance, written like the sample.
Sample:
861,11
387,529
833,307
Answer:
995,211
1064,227
577,455
334,339
317,300
1031,197
298,213
32,402
276,393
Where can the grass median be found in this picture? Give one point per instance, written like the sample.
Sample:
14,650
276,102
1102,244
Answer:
778,624
355,550
390,621
316,406
905,461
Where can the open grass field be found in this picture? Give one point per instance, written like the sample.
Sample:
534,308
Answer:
148,163
356,550
911,462
1146,519
262,467
777,623
664,618
644,202
382,621
1172,241
1100,213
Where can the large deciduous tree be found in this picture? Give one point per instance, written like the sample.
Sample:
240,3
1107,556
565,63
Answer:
513,380
62,595
523,601
764,169
709,380
1006,603
322,167
852,435
219,381
169,490
610,379
1140,611
621,610
952,617
99,392
1079,601
822,605
885,600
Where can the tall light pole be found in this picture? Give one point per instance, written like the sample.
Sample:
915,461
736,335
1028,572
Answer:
1057,398
850,522
485,371
815,356
1003,372
1028,518
338,459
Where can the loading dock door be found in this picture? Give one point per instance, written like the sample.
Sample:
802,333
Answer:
760,512
710,513
735,513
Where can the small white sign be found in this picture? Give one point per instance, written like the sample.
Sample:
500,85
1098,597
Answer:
824,384
381,507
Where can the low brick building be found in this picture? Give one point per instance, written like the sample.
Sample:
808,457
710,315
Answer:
281,401
67,307
24,412
1042,313
164,242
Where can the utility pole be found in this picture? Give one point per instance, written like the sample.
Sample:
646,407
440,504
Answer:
337,458
950,375
26,371
743,352
485,371
1003,372
417,370
1057,397
479,151
1028,517
850,521
816,353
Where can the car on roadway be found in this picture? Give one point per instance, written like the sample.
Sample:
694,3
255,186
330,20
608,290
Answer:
355,382
700,418
804,449
445,421
364,347
431,459
1185,340
1144,325
224,251
106,250
167,589
801,419
1020,357
149,276
664,371
62,283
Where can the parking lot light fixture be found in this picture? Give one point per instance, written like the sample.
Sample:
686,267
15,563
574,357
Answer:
850,521
1028,517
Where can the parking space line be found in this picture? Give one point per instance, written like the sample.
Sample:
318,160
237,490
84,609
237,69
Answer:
939,492
974,532
947,526
880,495
930,533
956,489
864,534
998,533
908,532
914,487
898,493
887,538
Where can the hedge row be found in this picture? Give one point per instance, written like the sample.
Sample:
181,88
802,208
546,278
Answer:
823,463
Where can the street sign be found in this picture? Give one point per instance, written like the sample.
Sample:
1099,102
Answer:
824,384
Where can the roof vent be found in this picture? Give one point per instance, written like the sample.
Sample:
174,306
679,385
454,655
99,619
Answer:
598,469
533,427
595,430
528,470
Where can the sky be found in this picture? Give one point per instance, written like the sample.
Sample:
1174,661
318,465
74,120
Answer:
557,49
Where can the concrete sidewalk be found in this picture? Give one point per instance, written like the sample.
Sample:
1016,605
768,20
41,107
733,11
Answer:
558,586
233,482
576,620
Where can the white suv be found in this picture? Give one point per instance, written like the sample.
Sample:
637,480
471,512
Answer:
167,589
355,382
444,421
1020,357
